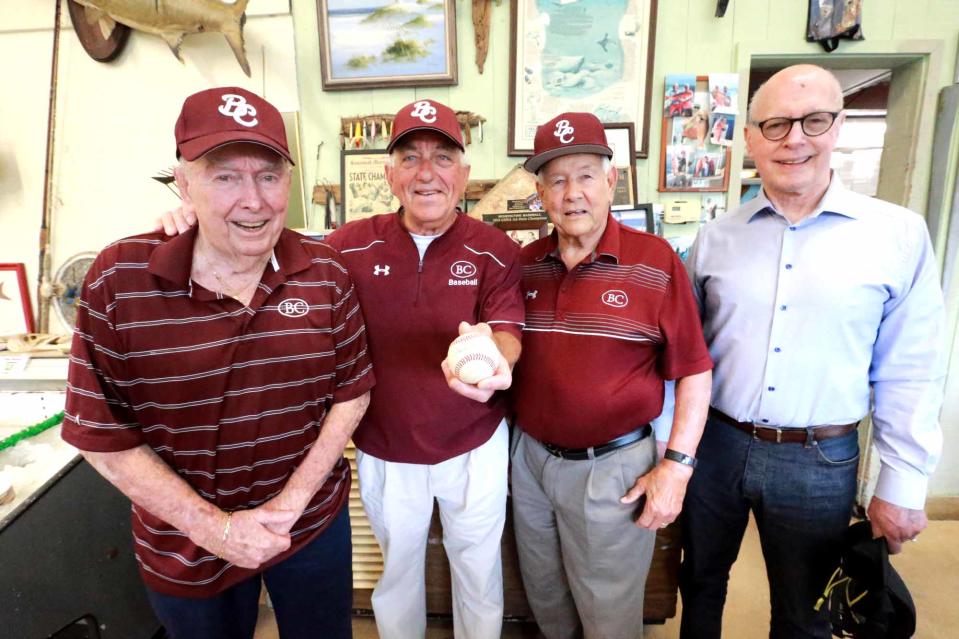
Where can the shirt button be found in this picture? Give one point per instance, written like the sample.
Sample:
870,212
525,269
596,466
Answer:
770,388
783,307
792,228
789,266
777,350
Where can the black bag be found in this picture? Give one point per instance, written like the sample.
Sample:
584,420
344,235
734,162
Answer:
865,596
830,20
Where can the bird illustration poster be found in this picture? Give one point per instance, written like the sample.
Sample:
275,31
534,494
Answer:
580,55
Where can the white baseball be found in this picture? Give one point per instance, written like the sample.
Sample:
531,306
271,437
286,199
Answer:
473,357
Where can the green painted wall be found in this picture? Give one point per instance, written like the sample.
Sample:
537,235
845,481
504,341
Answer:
689,38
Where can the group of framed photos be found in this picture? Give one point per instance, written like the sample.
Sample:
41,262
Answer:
699,122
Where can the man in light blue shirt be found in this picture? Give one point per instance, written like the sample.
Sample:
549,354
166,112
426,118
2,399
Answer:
819,306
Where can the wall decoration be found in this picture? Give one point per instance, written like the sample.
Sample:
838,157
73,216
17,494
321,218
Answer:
679,91
523,233
172,20
102,38
724,92
384,43
580,55
695,149
640,218
16,314
363,186
620,137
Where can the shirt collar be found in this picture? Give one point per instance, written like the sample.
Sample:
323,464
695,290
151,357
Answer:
173,260
608,245
836,200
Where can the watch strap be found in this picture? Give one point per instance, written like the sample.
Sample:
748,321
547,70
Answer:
680,458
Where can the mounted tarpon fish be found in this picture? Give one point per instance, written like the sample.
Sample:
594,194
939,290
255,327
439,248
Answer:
174,19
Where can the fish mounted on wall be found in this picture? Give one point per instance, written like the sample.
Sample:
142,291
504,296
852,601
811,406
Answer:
174,19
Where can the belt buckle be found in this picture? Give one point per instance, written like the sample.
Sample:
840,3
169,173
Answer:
779,435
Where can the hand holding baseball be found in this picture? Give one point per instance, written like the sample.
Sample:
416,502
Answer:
474,366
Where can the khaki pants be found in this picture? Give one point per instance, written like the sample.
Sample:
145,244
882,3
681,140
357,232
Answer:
583,560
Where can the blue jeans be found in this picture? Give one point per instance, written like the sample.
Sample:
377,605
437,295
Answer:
801,497
312,595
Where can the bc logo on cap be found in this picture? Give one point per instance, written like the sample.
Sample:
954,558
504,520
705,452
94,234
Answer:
236,107
564,132
424,111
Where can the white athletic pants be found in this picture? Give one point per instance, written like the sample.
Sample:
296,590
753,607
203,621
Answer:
471,492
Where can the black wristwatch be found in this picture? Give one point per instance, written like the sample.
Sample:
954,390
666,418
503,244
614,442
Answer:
680,458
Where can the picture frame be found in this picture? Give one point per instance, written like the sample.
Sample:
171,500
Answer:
364,191
523,232
640,217
689,161
16,313
607,72
621,138
386,44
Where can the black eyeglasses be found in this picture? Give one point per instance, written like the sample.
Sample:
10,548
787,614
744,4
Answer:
813,124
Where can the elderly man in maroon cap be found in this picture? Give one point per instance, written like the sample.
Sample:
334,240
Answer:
424,275
215,379
609,317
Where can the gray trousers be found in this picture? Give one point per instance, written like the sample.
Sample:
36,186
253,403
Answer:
583,560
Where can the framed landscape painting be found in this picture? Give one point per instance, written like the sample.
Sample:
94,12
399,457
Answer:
383,43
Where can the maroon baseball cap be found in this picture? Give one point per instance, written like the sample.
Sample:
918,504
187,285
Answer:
426,115
215,117
567,133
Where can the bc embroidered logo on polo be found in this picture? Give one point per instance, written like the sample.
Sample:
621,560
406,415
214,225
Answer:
463,269
615,298
236,107
564,131
381,270
424,111
293,307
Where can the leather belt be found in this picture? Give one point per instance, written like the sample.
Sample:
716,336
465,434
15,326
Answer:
596,451
787,435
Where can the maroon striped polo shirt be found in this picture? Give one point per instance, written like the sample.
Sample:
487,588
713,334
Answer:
231,397
600,339
412,310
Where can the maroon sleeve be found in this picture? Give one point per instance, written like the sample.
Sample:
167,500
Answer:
502,307
354,370
98,417
685,351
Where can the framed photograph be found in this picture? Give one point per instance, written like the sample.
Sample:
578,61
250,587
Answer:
695,150
16,314
523,232
620,137
378,43
580,55
364,191
640,218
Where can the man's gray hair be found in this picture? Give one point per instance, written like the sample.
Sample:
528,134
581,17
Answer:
184,164
607,162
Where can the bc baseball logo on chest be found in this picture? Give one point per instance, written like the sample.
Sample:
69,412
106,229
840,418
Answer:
473,357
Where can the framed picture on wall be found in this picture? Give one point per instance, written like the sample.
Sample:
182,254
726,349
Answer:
619,136
695,152
375,44
364,190
523,232
16,314
583,55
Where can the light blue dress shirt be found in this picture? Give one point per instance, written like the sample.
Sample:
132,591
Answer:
804,320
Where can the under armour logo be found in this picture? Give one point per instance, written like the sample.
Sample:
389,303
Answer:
424,111
564,131
531,295
236,107
381,270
